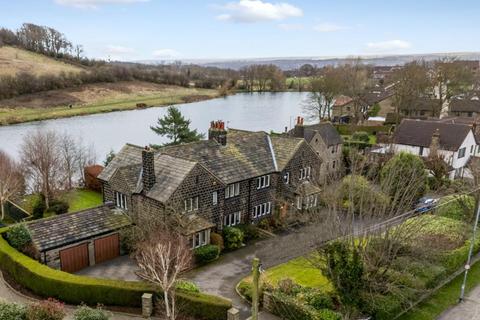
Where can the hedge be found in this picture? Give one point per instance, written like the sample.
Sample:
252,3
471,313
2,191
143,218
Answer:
73,289
347,130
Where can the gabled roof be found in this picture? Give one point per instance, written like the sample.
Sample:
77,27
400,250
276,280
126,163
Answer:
420,132
70,228
465,105
424,104
326,130
128,155
341,101
285,148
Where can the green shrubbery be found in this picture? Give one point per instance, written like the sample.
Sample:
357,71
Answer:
206,254
86,313
19,237
233,238
58,207
457,207
187,286
39,206
12,311
250,231
361,136
74,289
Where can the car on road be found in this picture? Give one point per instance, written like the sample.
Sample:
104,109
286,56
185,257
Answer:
425,204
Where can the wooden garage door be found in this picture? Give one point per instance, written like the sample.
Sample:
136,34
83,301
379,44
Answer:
74,259
107,248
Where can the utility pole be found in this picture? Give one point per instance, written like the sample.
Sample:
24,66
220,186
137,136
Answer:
470,252
255,287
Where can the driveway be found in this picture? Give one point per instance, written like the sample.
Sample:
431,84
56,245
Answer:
121,268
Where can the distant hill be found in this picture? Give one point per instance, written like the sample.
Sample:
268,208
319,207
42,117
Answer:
296,62
15,60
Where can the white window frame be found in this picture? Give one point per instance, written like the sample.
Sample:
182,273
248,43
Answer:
299,203
262,209
201,238
215,198
305,173
286,177
461,152
232,190
191,204
263,182
121,200
232,219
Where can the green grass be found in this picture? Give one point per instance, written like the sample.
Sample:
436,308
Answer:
372,139
80,199
180,95
444,298
300,271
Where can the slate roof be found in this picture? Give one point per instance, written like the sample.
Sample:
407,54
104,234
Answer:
128,155
70,228
284,149
326,130
419,133
424,104
464,105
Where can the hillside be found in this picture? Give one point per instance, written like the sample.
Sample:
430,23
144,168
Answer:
14,60
95,98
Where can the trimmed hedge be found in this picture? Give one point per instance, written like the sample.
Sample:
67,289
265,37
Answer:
48,282
347,130
206,254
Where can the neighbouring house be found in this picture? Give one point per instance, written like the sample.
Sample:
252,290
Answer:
464,107
454,142
342,109
90,175
423,108
326,141
74,241
234,177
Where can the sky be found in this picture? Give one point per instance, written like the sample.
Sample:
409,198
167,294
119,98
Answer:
231,29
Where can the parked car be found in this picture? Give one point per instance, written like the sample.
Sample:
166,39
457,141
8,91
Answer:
425,204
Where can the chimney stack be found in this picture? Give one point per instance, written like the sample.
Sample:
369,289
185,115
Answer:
299,130
148,168
218,132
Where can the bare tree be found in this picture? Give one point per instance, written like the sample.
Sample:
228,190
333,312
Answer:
162,257
85,156
69,157
42,161
12,183
322,94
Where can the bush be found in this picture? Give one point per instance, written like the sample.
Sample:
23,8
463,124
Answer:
49,309
39,207
86,313
187,286
58,207
245,290
326,314
75,289
216,239
233,238
457,207
381,307
289,308
206,253
361,136
12,311
319,300
19,237
250,231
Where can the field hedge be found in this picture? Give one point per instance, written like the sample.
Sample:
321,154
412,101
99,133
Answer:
73,289
346,129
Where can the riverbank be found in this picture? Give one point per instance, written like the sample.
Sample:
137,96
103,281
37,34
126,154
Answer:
93,99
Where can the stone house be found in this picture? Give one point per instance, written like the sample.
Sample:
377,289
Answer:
464,107
234,177
327,142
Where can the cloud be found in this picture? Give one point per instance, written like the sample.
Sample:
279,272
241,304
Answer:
165,54
94,4
250,11
329,27
118,52
291,26
386,46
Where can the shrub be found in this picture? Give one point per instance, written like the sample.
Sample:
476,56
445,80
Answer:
187,286
361,136
206,254
381,307
457,207
12,311
19,237
245,289
86,313
49,309
289,308
319,300
39,207
326,314
58,207
216,239
233,238
250,231
75,289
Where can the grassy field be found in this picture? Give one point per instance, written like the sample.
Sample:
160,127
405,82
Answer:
300,271
444,298
96,98
14,60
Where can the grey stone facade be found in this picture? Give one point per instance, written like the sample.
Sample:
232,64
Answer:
208,167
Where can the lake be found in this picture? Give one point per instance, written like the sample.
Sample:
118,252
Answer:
110,131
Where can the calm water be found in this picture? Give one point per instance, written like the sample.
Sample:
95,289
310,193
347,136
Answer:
257,111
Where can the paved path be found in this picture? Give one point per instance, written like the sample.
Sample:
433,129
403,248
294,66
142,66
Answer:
121,268
469,309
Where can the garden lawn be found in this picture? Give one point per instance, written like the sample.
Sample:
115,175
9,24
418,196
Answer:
444,298
80,199
300,271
